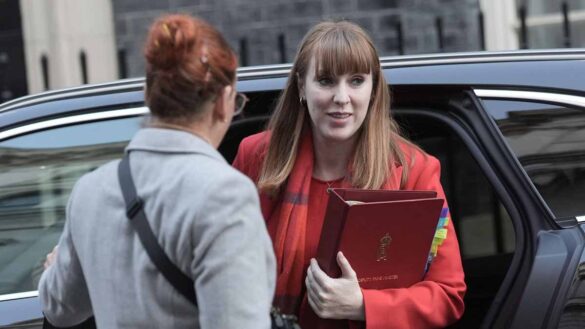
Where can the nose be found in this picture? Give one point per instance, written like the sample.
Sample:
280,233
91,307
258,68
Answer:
341,96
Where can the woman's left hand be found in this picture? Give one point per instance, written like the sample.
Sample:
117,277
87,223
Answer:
335,298
50,259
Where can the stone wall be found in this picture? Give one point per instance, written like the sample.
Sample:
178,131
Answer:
257,25
12,66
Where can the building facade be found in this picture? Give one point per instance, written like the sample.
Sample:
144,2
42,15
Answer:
62,43
553,23
533,24
68,43
268,31
13,81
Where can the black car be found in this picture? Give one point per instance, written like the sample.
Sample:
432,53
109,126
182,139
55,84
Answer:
508,128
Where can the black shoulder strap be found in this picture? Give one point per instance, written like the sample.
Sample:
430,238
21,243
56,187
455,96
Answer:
135,213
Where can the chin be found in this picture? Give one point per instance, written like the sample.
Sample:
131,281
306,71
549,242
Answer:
339,136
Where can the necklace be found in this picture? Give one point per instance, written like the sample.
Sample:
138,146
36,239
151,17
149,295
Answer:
331,184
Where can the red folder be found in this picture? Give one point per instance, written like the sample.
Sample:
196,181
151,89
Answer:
386,235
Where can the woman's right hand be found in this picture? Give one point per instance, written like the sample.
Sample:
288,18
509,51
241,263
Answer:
331,298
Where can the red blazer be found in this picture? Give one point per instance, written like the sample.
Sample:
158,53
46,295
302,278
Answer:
435,302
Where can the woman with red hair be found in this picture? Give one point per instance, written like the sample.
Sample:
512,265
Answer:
203,213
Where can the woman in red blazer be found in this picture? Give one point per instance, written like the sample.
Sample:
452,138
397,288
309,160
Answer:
331,128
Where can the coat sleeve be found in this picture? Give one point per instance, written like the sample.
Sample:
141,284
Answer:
437,301
251,154
240,160
233,260
62,288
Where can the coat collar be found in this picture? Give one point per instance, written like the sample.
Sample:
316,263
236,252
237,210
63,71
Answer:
163,140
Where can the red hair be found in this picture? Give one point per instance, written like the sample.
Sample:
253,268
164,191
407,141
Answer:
188,62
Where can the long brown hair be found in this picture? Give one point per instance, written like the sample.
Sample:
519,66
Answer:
339,47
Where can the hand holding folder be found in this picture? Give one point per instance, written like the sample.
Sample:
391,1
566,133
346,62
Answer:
385,235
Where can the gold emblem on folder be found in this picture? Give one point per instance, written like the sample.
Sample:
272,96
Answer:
383,247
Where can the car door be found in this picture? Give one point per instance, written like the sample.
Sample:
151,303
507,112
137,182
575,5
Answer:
42,154
541,135
521,263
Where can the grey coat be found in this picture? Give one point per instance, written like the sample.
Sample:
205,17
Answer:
207,218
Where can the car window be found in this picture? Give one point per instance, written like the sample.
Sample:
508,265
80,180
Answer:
37,173
549,142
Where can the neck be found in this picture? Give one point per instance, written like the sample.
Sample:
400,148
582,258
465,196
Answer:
192,128
332,157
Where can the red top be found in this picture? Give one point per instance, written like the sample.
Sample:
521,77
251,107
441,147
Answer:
435,302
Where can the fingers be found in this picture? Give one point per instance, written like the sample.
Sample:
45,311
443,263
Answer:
48,261
320,278
315,305
314,295
319,287
317,300
346,269
315,288
50,257
332,298
313,285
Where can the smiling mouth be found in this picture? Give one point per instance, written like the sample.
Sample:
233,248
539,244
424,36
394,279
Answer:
339,115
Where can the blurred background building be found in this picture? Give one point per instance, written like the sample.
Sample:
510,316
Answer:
13,82
61,43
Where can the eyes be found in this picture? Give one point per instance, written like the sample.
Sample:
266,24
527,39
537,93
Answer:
325,81
354,80
358,80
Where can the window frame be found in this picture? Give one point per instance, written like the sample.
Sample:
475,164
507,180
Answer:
550,97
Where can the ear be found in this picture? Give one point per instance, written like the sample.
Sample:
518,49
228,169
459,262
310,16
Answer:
222,104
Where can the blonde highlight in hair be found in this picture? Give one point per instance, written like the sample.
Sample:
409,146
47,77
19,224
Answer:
339,47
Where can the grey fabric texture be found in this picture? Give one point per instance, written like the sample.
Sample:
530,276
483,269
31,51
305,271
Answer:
206,216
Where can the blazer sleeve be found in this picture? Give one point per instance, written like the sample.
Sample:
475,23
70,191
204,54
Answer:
250,155
437,301
240,160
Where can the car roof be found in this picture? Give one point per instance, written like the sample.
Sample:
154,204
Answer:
522,68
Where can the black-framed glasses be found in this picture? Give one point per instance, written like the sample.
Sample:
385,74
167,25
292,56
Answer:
241,100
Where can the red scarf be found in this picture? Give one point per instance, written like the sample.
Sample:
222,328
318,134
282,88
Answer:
287,226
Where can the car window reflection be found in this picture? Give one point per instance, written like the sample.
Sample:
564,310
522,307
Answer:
549,142
37,173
